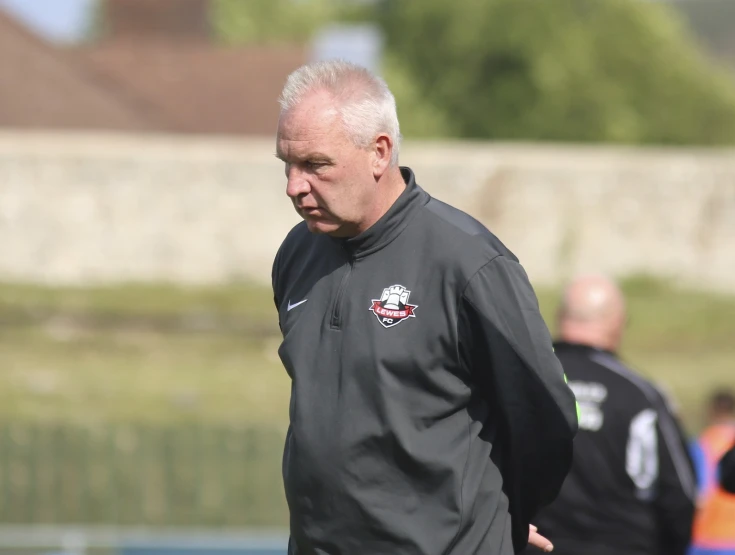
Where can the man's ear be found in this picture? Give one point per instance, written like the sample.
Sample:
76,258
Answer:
382,152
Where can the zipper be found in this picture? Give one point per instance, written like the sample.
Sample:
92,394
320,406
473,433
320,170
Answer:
336,321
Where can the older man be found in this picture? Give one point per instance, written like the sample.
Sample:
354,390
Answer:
631,488
428,412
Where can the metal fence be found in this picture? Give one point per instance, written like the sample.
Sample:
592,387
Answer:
187,475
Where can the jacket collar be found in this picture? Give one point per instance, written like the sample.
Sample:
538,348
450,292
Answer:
392,223
580,347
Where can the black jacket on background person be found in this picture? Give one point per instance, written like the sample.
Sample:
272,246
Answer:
727,471
631,489
428,415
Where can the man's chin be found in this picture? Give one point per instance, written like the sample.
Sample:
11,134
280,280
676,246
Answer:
322,227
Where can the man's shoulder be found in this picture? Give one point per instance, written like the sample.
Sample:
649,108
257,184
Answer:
456,224
297,242
296,236
633,383
727,471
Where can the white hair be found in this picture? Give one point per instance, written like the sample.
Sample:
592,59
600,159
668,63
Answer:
365,104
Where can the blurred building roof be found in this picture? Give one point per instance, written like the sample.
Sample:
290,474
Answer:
201,88
46,87
186,20
156,66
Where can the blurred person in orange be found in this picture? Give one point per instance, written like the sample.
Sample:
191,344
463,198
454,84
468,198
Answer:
631,489
714,524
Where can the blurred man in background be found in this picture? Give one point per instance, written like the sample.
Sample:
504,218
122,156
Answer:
631,489
714,525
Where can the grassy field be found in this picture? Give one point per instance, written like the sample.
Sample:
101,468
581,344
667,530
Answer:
141,353
163,354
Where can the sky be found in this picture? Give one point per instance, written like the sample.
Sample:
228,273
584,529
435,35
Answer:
58,20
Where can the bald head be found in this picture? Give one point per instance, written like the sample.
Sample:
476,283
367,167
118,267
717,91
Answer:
592,312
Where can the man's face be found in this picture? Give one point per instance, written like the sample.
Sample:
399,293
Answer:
330,181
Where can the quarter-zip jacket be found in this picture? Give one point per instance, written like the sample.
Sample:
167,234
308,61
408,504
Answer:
429,414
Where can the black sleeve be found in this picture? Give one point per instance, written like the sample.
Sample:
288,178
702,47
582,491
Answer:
727,471
508,348
676,485
274,283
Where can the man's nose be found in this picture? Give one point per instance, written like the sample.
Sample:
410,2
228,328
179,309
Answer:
296,185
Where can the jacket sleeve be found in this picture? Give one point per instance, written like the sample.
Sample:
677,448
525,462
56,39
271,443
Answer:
507,346
676,484
727,471
275,283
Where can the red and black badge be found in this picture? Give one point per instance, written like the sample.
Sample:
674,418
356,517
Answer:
392,308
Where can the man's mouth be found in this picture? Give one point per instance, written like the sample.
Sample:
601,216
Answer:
311,212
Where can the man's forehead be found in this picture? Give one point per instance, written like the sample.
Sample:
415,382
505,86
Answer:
306,130
297,151
303,133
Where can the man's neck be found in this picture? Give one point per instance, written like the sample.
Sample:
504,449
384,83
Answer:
596,339
389,189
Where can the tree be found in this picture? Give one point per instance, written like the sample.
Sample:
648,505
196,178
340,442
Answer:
624,71
572,70
94,22
262,21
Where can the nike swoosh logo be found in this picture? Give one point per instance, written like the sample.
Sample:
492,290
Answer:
290,306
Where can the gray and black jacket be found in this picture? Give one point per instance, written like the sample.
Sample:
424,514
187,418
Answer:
429,414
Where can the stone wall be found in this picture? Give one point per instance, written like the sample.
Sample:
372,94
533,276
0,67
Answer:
81,208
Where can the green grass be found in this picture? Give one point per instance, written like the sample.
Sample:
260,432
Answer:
156,299
81,376
159,353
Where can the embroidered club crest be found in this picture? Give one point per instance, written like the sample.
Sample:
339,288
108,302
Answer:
392,308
